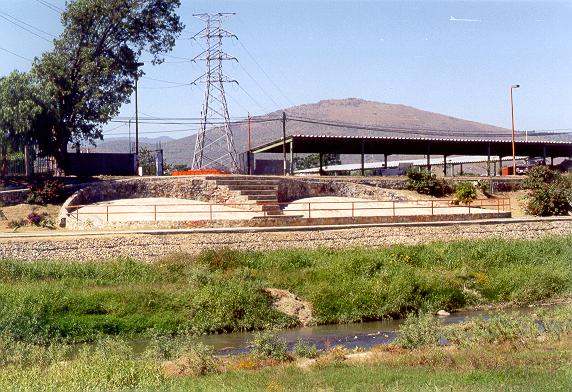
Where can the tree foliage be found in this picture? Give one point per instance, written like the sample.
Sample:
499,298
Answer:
20,103
549,192
92,69
313,160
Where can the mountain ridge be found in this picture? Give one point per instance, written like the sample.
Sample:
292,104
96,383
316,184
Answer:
398,119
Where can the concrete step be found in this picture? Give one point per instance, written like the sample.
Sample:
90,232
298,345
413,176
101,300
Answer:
263,198
247,182
252,187
263,192
244,177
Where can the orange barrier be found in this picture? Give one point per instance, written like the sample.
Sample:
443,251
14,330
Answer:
200,172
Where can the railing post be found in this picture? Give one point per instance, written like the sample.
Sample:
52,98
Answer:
432,208
352,209
155,212
309,213
107,212
469,208
393,202
498,206
210,211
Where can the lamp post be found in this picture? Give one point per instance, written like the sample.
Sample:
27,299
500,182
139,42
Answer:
137,65
512,115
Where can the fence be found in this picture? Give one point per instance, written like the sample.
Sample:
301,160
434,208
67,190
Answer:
306,209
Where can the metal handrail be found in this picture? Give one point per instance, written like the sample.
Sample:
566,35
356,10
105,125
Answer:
500,204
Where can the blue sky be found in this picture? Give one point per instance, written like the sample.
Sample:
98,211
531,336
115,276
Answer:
403,52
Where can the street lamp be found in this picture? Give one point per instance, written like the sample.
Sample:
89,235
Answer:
137,110
512,115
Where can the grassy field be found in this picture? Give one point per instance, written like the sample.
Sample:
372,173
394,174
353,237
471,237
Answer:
221,291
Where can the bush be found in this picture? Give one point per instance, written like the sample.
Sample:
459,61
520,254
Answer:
424,182
417,331
304,349
549,192
50,191
465,192
267,344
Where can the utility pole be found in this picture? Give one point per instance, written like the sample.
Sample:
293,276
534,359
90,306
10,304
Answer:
284,141
137,65
214,145
249,147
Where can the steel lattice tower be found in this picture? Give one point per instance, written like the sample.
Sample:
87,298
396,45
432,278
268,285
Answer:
214,147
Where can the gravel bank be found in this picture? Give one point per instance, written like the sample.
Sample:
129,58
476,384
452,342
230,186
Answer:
153,247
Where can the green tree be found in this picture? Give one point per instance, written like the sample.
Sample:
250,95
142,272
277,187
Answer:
91,71
549,192
147,161
313,160
20,103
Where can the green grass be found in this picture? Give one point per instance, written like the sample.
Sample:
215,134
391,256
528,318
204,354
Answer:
221,291
538,361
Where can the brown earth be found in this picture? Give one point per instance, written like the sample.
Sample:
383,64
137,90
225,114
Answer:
292,305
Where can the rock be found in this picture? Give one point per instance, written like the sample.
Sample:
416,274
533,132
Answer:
443,313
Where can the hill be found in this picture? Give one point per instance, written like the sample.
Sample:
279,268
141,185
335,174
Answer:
385,119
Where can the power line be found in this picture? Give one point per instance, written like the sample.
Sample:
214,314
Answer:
27,24
24,28
259,86
16,54
264,72
251,97
51,6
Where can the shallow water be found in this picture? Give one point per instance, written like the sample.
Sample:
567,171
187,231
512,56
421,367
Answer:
363,335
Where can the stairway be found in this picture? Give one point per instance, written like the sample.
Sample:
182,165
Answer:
259,189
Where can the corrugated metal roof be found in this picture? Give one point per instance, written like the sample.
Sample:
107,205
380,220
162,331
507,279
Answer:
422,138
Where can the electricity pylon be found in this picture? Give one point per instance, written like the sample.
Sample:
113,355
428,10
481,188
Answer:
214,146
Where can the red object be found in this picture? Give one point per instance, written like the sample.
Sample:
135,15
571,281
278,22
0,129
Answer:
201,172
507,171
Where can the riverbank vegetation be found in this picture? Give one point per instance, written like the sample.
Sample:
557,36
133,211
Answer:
223,291
507,351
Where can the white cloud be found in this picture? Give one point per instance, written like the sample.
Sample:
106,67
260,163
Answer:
453,19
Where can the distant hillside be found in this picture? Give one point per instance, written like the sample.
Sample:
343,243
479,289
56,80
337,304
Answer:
395,119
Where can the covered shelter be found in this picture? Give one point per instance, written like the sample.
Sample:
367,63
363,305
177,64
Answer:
403,145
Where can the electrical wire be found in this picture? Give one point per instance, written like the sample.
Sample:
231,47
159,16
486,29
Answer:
264,72
16,54
51,6
27,24
24,28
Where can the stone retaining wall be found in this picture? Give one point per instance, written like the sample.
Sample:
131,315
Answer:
12,197
294,188
192,188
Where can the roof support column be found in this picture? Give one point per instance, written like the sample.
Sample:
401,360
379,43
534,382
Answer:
428,156
291,156
544,154
385,161
488,159
444,165
321,163
362,158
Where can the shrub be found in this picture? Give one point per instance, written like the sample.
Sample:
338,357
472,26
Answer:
498,328
485,187
417,331
50,191
424,182
304,349
549,192
267,344
465,192
17,223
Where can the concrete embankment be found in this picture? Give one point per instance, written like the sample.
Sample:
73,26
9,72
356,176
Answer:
154,246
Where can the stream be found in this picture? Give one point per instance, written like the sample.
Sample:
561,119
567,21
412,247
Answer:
363,335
